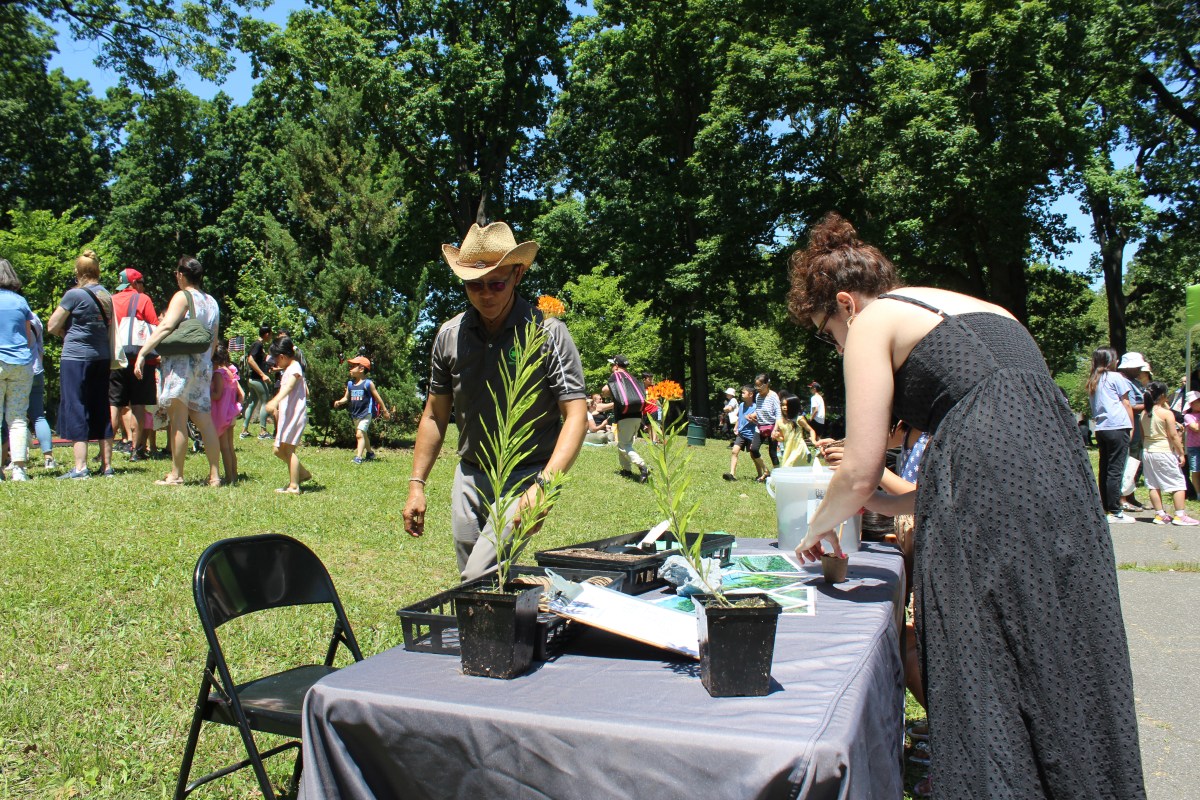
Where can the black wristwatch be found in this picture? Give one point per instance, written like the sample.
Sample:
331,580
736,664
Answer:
541,481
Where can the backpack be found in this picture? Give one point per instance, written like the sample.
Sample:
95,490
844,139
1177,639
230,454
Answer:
629,396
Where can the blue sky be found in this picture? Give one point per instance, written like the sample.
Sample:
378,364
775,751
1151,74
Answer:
77,60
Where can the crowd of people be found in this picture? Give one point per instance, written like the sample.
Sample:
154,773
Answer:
1022,658
126,371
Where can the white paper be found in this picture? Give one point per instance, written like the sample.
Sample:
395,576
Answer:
627,616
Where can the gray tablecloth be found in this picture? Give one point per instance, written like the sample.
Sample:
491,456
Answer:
611,719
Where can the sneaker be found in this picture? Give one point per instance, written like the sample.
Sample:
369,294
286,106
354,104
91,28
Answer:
1180,519
729,476
645,476
1120,519
1162,518
18,474
76,473
265,435
109,473
50,463
122,447
244,435
357,460
371,456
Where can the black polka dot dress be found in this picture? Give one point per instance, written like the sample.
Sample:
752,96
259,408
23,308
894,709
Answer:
1018,620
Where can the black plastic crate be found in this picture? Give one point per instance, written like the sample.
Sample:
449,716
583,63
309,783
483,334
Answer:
431,626
641,573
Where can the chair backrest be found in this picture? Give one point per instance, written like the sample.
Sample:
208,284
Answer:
254,573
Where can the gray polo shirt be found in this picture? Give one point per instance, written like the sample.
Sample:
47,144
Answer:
466,363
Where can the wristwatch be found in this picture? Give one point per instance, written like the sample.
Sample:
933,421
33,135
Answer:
541,481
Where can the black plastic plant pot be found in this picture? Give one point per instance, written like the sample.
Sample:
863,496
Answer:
737,643
497,629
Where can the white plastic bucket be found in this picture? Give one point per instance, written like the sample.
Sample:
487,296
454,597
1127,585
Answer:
797,492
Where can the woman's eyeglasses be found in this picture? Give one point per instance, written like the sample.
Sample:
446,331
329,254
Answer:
825,336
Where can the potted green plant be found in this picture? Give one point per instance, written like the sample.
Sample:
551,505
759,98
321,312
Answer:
497,620
737,634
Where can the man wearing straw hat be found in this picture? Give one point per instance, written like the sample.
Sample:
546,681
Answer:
465,365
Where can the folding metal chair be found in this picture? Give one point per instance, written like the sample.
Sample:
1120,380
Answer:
240,576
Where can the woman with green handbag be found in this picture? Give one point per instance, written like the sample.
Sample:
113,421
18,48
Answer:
186,371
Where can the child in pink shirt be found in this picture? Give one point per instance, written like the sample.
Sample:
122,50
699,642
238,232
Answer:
227,399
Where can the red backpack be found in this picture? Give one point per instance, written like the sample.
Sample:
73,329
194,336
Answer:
629,396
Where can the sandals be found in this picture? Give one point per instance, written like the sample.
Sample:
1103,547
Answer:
169,481
287,490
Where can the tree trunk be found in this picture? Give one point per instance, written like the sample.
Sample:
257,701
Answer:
699,354
1008,286
1112,257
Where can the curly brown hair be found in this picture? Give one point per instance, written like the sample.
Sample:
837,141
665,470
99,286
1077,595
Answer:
836,260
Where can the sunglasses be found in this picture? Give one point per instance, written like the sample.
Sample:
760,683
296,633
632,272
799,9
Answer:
494,286
823,335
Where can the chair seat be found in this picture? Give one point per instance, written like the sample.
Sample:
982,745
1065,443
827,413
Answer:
273,704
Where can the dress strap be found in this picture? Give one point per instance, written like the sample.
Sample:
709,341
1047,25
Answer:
914,301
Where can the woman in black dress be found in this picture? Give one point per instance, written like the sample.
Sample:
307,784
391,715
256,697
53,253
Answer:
1023,648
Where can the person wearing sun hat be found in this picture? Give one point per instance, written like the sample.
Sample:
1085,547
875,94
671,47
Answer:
467,358
1134,367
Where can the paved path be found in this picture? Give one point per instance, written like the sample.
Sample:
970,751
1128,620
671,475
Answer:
1162,620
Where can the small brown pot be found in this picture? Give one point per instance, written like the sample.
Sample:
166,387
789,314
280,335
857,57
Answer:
834,568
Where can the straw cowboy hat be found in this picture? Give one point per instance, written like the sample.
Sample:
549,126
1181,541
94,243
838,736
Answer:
486,249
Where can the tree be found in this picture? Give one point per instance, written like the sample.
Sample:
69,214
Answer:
177,176
604,322
55,141
965,122
1059,302
139,38
664,129
334,252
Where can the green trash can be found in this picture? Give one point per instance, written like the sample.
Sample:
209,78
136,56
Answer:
697,426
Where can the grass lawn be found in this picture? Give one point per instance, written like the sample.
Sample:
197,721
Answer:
101,651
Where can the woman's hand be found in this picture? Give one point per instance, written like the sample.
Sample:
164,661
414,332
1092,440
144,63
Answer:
272,405
810,548
831,451
138,366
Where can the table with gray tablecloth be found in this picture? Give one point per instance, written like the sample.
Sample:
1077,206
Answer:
615,719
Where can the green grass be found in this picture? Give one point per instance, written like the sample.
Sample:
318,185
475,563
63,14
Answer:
100,651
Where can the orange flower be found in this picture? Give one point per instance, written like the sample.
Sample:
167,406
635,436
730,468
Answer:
551,306
666,390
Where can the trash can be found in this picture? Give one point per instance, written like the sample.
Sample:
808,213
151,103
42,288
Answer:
697,427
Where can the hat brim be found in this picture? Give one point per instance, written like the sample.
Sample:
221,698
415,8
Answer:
122,287
521,254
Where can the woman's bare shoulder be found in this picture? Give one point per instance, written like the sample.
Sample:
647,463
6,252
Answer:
951,302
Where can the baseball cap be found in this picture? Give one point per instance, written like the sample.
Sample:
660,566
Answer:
361,361
620,361
815,385
126,277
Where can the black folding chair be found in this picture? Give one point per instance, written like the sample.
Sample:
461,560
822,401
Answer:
240,576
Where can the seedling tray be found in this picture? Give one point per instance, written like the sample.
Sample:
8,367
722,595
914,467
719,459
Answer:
639,566
431,626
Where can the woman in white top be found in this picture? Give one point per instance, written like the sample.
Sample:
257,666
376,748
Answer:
185,390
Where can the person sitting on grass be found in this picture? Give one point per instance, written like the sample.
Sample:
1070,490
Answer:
363,398
290,408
